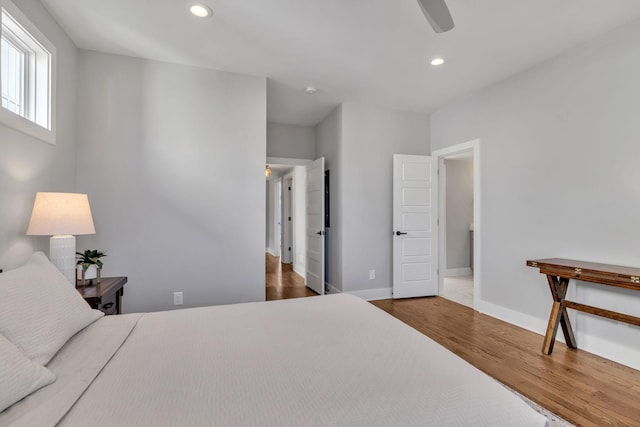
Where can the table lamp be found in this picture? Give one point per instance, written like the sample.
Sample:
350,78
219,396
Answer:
62,216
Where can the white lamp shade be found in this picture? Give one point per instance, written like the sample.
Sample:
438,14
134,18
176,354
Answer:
61,214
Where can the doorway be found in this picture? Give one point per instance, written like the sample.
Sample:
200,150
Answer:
286,219
459,231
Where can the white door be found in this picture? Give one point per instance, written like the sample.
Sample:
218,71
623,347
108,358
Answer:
315,226
415,232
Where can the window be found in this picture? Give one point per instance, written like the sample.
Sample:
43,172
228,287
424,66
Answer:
26,75
13,69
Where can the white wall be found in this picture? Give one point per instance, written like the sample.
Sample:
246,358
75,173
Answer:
459,200
266,214
172,158
274,213
559,153
270,206
28,165
300,219
291,141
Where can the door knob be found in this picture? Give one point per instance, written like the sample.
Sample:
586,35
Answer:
320,233
399,233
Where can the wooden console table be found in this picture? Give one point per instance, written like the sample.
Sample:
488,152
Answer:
560,271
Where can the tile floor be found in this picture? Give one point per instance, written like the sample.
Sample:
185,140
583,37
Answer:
459,289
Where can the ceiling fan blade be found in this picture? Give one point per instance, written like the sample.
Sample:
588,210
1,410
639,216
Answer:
437,14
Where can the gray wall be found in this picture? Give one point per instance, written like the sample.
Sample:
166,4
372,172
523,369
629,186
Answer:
172,158
27,164
328,137
459,193
297,142
560,178
358,143
370,138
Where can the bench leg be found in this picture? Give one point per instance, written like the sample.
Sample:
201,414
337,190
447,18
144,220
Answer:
559,315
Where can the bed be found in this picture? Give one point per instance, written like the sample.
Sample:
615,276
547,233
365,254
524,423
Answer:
334,360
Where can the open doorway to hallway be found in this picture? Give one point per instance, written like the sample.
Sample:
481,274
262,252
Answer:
285,243
282,282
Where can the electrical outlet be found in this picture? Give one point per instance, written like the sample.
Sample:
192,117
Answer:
372,274
177,298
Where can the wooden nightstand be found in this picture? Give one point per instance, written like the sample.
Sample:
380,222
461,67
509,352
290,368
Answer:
105,296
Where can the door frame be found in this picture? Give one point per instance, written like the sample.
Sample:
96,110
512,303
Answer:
441,155
277,218
316,191
287,229
290,161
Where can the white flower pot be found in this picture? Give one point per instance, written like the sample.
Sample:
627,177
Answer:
91,273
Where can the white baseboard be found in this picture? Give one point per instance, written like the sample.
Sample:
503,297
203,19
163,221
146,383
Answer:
528,322
272,252
332,289
300,271
455,272
373,294
598,346
609,350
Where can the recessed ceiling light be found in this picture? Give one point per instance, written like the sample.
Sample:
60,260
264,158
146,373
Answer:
437,62
200,10
310,90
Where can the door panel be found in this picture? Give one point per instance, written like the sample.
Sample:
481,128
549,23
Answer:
415,254
315,226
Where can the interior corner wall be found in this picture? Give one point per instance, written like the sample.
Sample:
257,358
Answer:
291,141
459,200
328,144
172,158
370,138
559,175
29,165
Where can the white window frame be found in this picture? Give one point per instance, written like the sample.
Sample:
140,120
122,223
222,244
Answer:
16,45
40,80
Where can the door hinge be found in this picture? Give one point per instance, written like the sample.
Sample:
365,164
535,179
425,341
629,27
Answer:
289,218
289,188
289,248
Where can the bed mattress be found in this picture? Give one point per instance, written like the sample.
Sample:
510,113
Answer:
323,361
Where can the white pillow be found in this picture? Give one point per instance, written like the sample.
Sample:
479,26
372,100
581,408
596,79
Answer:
19,376
40,310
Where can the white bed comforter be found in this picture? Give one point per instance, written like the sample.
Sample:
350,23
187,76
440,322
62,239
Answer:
322,361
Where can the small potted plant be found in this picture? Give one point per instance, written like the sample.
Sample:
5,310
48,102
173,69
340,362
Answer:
89,264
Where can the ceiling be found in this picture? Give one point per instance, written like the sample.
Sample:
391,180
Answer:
279,170
368,51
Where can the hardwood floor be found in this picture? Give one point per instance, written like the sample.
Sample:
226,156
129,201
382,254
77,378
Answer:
283,282
582,388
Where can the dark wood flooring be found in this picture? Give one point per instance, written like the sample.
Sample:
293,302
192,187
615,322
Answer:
585,389
283,282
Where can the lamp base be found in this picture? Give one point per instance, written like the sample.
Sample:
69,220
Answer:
62,253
